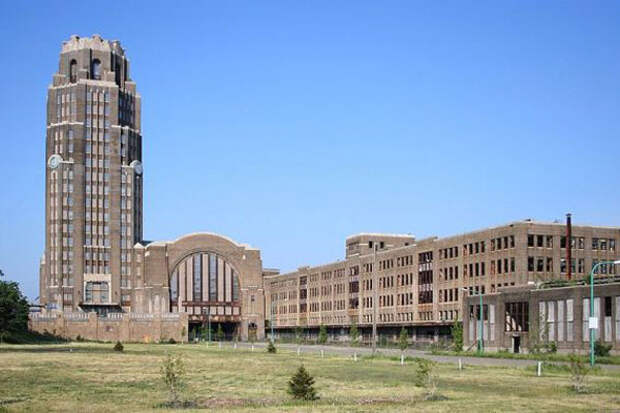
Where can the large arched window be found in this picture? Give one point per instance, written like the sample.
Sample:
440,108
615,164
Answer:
96,69
202,280
73,71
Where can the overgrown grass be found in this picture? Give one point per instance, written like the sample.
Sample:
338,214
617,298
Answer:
31,337
557,357
92,377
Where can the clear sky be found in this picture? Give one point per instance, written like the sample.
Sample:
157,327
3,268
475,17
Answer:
291,125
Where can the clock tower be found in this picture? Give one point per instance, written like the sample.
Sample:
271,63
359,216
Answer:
93,191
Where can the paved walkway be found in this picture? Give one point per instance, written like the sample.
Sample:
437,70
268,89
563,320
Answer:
476,361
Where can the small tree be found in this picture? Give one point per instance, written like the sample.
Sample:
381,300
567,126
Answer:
579,370
354,334
271,348
425,377
13,309
301,385
403,340
219,335
457,336
299,334
119,346
172,371
322,334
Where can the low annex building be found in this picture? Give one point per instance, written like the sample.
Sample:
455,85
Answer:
519,318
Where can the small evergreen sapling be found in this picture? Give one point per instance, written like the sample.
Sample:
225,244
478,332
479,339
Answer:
354,334
118,346
271,348
219,334
403,341
301,385
322,334
457,336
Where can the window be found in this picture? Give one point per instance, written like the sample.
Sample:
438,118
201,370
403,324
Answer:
530,240
517,316
73,71
96,69
96,292
212,277
197,272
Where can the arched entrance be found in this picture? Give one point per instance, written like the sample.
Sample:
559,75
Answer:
206,286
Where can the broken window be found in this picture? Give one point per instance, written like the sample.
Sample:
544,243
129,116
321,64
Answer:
517,316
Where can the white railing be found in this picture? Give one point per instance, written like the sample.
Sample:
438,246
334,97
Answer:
141,316
43,317
76,316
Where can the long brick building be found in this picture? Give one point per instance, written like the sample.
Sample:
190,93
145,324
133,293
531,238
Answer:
421,283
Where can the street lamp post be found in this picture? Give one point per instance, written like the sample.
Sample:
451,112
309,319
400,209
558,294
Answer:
271,322
592,328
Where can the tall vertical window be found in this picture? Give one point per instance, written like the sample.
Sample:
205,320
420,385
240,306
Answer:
73,71
174,282
197,277
96,69
235,289
212,277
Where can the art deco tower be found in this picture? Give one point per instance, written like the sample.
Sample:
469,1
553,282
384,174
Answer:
93,180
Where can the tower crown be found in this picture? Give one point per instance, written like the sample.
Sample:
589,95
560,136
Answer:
93,58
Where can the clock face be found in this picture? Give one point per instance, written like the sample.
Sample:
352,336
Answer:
137,166
54,161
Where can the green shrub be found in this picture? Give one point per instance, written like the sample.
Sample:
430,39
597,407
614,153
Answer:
600,349
119,346
552,347
271,348
301,385
172,341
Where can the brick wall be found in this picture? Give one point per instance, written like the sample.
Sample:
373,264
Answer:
126,327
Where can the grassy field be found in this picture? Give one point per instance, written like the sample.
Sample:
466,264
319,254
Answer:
553,357
93,378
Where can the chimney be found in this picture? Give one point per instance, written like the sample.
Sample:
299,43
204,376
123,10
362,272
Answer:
569,246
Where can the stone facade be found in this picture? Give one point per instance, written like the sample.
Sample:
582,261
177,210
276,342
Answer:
93,191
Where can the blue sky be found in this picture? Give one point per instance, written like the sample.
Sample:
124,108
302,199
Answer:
290,125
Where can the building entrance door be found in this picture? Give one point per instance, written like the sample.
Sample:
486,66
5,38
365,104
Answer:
516,344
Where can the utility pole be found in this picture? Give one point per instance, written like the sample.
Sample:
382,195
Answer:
271,321
375,300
